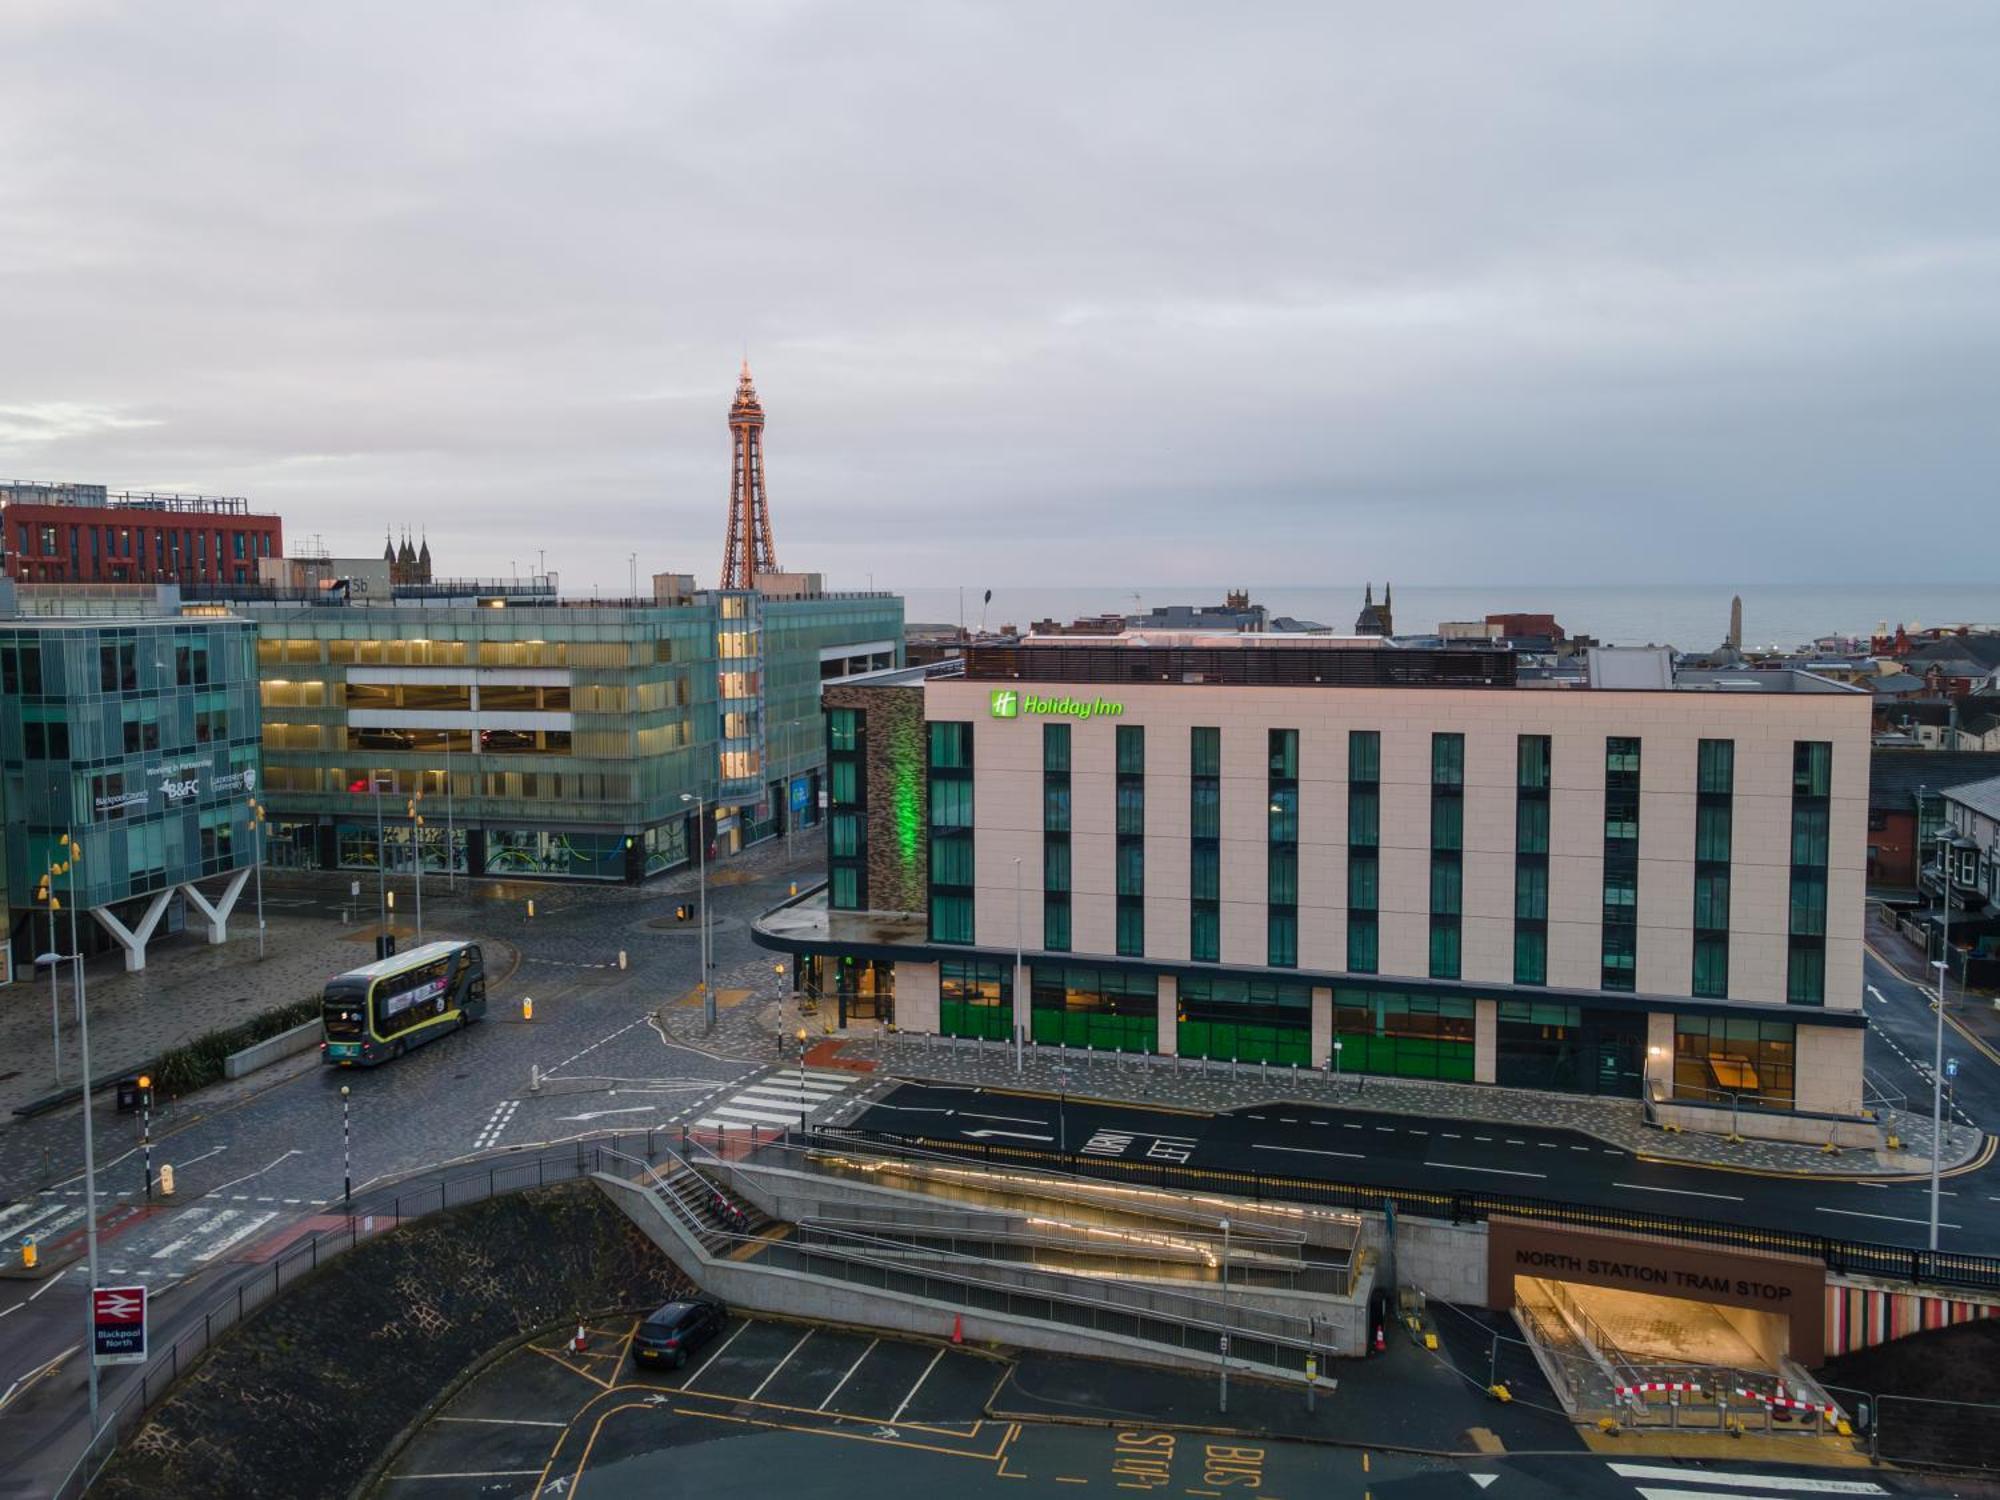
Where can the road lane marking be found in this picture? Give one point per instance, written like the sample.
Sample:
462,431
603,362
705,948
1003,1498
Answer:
257,1222
1307,1151
917,1387
1748,1481
848,1376
1453,1166
1010,1119
216,1191
1855,1213
1641,1187
506,1422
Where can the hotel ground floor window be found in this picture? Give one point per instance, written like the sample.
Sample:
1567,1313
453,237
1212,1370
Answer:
1102,1009
1717,1058
1569,1048
976,998
1403,1035
1246,1020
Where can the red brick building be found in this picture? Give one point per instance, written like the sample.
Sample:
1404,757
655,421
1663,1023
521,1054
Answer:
82,533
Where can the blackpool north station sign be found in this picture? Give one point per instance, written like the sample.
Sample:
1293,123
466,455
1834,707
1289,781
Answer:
1007,703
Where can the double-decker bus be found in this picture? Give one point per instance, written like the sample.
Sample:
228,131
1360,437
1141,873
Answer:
371,1014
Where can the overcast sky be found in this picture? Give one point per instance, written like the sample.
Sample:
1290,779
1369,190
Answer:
1035,294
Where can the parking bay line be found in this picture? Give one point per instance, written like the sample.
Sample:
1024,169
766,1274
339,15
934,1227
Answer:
721,1349
850,1371
783,1362
917,1387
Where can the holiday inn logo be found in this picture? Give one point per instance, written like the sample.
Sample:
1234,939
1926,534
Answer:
1006,703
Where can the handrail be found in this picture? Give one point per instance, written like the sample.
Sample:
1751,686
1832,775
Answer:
1920,1267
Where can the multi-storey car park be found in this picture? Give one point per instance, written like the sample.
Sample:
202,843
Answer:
1344,854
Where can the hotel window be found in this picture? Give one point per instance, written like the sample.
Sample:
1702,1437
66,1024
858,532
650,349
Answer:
1723,1059
1812,786
1531,859
1403,1035
1205,844
976,998
1714,817
1282,925
1364,838
1447,852
1245,1020
1097,1008
1055,838
1131,850
951,832
1620,950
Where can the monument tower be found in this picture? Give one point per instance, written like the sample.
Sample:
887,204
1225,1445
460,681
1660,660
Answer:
748,550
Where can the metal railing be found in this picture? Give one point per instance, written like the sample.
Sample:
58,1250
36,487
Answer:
123,1414
1938,1268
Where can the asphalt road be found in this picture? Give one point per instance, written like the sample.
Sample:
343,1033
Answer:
822,1411
254,1168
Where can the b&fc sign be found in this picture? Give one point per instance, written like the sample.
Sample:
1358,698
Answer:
118,1316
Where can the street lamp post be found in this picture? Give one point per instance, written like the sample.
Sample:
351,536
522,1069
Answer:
417,854
1337,1044
75,853
346,1153
1943,967
1019,971
701,850
1225,1314
53,957
257,832
381,860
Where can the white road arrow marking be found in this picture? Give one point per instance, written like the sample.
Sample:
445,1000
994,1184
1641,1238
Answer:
598,1114
1482,1480
1018,1135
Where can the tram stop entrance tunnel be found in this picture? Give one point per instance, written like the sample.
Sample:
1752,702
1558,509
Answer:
1656,1300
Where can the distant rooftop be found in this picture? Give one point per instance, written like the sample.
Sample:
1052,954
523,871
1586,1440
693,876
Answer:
97,497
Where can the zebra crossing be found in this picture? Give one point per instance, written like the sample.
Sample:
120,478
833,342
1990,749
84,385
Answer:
1681,1482
150,1243
782,1096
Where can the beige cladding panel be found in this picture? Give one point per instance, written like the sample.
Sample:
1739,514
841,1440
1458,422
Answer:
1764,728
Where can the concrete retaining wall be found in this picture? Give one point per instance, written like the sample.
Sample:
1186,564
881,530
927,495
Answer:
272,1049
788,1293
1446,1261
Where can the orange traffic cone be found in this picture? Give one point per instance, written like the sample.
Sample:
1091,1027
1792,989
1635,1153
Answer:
1380,1346
958,1328
581,1343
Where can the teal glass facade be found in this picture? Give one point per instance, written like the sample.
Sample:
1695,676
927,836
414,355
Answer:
549,741
137,737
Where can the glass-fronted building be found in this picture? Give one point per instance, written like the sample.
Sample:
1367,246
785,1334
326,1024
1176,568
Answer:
138,738
1359,857
550,740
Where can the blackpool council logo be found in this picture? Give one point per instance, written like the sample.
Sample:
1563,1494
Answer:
1006,703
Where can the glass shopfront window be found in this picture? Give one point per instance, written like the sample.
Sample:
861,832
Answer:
1402,1035
976,998
1569,1048
1718,1059
1245,1020
1097,1008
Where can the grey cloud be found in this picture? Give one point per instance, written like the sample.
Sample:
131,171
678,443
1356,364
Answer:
1279,293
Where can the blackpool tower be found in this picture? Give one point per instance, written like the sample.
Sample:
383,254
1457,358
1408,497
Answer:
749,550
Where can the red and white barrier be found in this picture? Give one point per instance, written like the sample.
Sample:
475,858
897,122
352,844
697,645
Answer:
1656,1387
1782,1402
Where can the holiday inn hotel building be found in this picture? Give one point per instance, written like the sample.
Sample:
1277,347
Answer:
1404,862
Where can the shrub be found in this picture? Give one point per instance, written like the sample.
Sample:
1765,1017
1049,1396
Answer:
199,1063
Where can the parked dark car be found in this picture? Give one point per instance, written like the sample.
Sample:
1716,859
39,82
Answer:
670,1334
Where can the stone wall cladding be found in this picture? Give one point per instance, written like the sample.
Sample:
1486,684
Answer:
894,725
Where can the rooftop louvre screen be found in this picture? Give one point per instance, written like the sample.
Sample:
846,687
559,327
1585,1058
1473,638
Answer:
1241,666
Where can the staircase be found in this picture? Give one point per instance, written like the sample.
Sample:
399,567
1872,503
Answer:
718,1219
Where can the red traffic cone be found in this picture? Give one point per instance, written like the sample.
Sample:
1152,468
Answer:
1380,1346
581,1342
958,1328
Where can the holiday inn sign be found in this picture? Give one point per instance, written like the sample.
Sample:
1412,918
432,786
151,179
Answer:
1006,703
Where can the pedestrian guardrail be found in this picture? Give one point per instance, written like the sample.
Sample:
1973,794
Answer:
1941,1268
